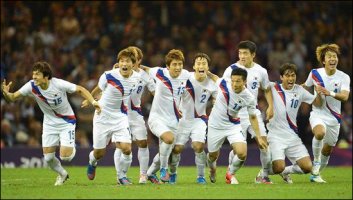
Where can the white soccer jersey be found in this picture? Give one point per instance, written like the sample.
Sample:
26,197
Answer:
195,97
330,112
257,76
53,101
225,112
167,95
116,91
135,110
286,104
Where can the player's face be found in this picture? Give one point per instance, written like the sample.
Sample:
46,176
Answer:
288,79
201,67
245,57
175,68
237,83
39,78
125,65
330,60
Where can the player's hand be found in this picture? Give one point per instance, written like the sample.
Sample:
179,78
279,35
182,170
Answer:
269,113
321,90
214,77
180,114
97,107
5,88
84,104
262,143
115,66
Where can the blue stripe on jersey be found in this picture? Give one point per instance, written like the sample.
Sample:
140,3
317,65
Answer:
283,97
68,118
135,108
318,79
115,83
166,81
191,90
225,91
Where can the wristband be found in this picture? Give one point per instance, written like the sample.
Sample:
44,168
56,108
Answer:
332,94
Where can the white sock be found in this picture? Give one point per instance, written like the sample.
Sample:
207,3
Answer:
125,162
265,158
174,163
324,161
293,169
200,161
317,146
164,152
54,163
92,160
117,154
235,165
231,155
143,157
154,166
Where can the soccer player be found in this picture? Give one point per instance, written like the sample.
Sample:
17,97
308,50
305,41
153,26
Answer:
283,131
116,87
325,121
59,121
164,115
224,123
257,79
136,121
193,124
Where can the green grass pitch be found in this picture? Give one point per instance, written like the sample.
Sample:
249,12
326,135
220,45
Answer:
39,183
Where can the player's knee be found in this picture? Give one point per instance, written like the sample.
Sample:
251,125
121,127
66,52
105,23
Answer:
306,169
70,157
242,155
277,169
141,143
177,149
48,157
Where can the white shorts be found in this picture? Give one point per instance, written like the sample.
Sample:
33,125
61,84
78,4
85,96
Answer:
55,136
194,129
138,130
106,128
332,132
246,126
158,127
294,150
216,137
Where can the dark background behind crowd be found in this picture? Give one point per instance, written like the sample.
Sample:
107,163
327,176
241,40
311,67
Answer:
81,40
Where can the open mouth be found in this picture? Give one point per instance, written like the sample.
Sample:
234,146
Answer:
124,68
202,72
290,84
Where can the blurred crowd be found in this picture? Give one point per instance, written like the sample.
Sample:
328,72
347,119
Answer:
81,40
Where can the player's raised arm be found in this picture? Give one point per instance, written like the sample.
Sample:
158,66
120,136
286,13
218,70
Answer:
85,94
9,96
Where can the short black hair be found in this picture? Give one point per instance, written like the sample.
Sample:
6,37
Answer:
287,66
43,67
241,72
247,44
202,55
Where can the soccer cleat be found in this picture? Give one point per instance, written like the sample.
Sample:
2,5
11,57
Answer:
316,168
316,179
286,178
91,171
260,179
172,178
212,175
164,175
143,179
201,180
153,178
61,179
124,181
230,178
